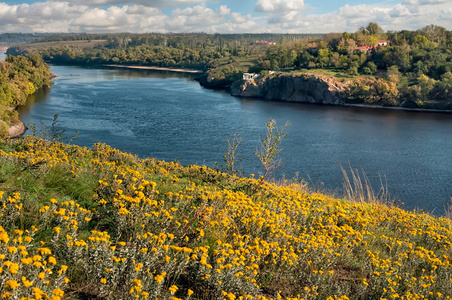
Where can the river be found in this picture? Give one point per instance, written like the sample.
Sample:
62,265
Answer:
170,116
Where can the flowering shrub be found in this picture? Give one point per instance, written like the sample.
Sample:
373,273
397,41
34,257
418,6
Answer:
157,230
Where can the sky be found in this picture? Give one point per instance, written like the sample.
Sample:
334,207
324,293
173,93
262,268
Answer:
220,16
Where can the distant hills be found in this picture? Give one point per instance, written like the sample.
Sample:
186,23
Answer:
11,39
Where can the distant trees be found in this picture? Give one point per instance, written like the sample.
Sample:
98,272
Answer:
371,29
373,91
415,66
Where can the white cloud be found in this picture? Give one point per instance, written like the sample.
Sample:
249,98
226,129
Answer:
35,17
279,6
223,10
240,19
400,11
425,2
134,18
350,17
249,26
446,14
288,17
356,11
277,16
148,3
193,19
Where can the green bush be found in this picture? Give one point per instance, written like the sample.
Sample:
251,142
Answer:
3,128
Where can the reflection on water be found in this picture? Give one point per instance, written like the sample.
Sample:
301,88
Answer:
169,116
40,96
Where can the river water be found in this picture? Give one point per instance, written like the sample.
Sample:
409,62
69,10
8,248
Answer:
170,116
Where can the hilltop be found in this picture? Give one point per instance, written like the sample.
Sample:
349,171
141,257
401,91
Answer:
79,223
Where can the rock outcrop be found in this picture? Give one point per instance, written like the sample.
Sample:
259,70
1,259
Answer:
308,88
17,130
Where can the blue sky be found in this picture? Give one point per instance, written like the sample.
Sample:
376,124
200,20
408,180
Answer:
220,16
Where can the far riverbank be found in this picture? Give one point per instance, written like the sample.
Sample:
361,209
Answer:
432,110
315,89
180,70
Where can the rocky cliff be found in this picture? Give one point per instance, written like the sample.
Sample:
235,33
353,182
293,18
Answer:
308,88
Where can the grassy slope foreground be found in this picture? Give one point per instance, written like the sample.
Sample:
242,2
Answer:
80,223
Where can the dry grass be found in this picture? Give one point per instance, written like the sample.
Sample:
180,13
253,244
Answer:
357,187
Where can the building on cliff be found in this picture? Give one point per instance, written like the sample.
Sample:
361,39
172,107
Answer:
249,76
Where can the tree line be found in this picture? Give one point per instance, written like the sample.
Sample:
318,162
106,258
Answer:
409,68
406,67
163,50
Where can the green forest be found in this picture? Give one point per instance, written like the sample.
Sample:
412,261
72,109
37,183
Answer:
19,78
394,68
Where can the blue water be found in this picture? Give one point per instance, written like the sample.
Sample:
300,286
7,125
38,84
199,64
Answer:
170,116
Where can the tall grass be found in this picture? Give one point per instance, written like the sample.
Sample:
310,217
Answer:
357,187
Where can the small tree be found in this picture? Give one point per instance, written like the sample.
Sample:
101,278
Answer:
426,85
269,150
52,133
372,66
230,157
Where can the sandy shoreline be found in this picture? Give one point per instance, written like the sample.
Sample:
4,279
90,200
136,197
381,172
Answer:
431,110
157,68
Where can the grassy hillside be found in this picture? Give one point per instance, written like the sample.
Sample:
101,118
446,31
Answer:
80,223
82,44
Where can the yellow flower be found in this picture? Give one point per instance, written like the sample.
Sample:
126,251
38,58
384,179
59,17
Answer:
189,292
52,260
58,292
159,278
173,289
103,280
14,268
12,284
39,294
44,251
26,282
12,249
57,229
124,211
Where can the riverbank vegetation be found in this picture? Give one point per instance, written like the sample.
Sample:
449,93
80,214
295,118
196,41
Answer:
19,78
79,223
412,69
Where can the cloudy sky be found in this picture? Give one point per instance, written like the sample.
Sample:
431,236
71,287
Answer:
220,16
